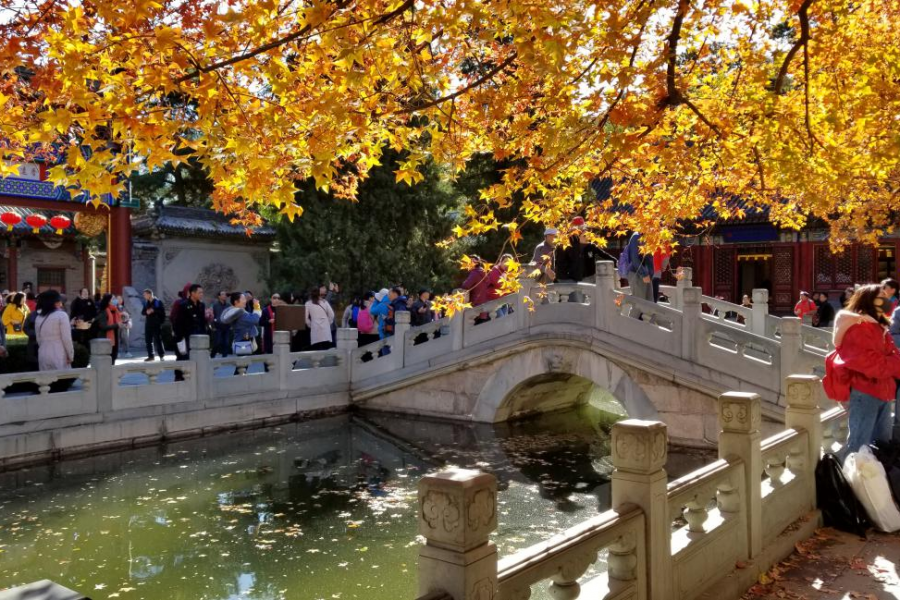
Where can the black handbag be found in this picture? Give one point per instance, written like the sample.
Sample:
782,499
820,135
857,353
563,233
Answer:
835,498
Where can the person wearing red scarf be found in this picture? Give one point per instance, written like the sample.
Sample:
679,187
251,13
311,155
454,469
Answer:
108,320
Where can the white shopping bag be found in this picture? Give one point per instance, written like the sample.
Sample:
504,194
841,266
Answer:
869,482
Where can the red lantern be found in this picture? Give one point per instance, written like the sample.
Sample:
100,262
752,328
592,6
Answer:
36,222
10,219
60,222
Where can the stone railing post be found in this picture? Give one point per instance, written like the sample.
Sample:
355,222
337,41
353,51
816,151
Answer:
281,348
791,344
604,305
686,281
760,311
101,363
203,386
457,328
739,421
347,342
522,314
457,513
639,453
347,338
690,322
401,326
804,400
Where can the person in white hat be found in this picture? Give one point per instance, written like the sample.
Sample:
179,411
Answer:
543,259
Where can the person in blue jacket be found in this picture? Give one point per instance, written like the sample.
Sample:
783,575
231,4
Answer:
379,310
640,269
397,302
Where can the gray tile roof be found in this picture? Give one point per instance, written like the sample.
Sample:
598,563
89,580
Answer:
184,221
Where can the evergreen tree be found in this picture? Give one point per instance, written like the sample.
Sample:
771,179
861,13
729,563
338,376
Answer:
387,237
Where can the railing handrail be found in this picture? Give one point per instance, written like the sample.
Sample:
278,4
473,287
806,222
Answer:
516,564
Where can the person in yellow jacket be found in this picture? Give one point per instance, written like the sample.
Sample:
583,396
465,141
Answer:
14,314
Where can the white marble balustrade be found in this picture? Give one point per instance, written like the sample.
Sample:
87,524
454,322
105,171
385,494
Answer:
708,534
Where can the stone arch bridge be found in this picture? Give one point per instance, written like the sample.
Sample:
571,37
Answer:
586,342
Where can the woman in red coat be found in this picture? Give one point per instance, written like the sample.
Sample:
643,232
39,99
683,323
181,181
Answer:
861,369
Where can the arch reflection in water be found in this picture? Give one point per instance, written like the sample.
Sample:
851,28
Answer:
302,511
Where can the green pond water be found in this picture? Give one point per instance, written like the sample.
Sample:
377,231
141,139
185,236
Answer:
323,509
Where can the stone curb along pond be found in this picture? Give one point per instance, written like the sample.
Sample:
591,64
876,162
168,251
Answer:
319,509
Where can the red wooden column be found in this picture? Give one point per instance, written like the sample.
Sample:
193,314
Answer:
804,269
118,249
12,266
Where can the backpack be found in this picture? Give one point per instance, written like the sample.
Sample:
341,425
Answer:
354,317
624,265
364,320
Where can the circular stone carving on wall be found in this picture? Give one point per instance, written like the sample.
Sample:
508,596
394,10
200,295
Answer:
216,276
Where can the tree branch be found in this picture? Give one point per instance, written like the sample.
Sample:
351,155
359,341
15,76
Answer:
701,116
461,91
803,15
760,169
272,45
673,94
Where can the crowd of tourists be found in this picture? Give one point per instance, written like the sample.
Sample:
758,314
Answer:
100,315
862,371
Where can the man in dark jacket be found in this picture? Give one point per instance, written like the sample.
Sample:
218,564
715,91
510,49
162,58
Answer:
154,314
190,319
222,331
578,261
824,311
397,304
421,313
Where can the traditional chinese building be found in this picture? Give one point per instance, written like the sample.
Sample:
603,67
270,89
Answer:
734,256
47,234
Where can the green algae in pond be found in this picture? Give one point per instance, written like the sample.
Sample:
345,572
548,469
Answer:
322,509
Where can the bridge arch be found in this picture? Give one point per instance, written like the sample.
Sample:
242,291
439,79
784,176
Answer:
548,378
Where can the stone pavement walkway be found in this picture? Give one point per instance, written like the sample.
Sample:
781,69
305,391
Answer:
838,566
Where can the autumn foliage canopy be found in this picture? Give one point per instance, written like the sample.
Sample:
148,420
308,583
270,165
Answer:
792,105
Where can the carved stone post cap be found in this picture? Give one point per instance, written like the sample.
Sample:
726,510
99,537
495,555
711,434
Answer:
639,446
691,295
760,296
605,268
803,391
457,508
101,347
687,273
199,342
282,338
739,412
401,317
790,326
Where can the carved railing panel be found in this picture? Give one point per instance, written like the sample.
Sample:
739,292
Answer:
785,486
835,428
561,561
